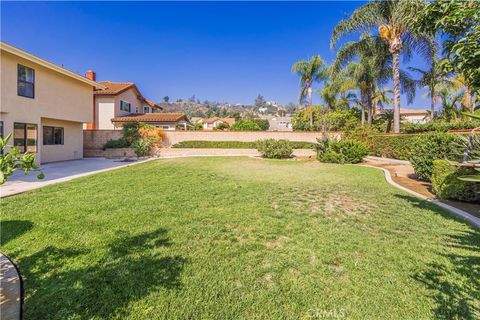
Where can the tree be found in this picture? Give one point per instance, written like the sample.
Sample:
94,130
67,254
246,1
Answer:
309,71
260,101
396,26
11,160
434,79
463,88
166,99
459,21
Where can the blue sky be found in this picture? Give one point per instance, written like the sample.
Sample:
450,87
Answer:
224,51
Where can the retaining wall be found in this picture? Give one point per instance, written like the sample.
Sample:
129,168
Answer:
95,139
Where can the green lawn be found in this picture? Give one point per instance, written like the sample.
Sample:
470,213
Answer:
239,238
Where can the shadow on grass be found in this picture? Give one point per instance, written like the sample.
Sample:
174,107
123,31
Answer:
12,229
454,278
130,269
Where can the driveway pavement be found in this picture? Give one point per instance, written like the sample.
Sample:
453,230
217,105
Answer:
59,172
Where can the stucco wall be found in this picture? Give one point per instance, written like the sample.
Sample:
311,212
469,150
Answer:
72,147
95,139
57,97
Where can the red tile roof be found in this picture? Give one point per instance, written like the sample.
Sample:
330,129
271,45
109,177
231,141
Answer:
115,88
228,121
151,117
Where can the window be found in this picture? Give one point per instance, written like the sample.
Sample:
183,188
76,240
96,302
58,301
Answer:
25,137
124,106
1,129
146,109
52,135
26,82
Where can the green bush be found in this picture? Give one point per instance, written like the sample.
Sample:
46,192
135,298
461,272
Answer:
131,130
245,125
221,126
391,146
142,147
343,151
275,149
439,125
324,119
262,123
114,144
446,185
433,146
234,144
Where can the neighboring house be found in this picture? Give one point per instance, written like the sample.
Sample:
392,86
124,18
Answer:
115,100
212,123
44,105
278,123
411,115
165,121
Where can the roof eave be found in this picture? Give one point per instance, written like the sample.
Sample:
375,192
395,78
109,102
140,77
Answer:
25,55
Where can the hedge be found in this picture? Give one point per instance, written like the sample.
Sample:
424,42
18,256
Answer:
234,145
392,146
446,185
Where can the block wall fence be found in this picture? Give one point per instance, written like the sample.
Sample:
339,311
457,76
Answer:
95,139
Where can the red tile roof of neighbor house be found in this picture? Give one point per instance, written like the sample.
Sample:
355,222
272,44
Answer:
115,88
405,111
228,121
151,117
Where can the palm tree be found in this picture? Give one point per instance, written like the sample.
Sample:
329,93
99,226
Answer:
395,21
460,84
309,71
337,90
434,79
449,110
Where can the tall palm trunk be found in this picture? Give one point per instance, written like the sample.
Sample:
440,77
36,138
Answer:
311,106
396,92
432,101
369,106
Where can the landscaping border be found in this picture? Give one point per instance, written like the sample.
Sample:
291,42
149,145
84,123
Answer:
455,211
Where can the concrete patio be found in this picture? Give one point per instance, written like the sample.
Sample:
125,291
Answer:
59,172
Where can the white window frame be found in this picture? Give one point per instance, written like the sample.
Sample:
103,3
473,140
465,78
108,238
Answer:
126,103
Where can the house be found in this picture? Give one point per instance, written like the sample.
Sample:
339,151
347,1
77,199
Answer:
44,105
212,123
279,123
414,115
165,121
117,99
410,115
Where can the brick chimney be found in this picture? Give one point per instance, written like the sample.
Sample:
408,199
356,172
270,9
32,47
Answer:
90,74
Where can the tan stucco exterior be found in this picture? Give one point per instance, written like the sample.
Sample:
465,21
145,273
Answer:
61,100
108,107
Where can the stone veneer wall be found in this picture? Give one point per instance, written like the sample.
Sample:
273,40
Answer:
95,139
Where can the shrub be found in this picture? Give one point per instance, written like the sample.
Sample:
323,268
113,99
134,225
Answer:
446,185
142,147
114,144
235,144
222,126
391,146
141,137
439,125
429,147
130,131
245,125
275,149
343,151
262,123
324,120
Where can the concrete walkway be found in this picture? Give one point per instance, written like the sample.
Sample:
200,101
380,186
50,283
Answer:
401,175
10,290
60,171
